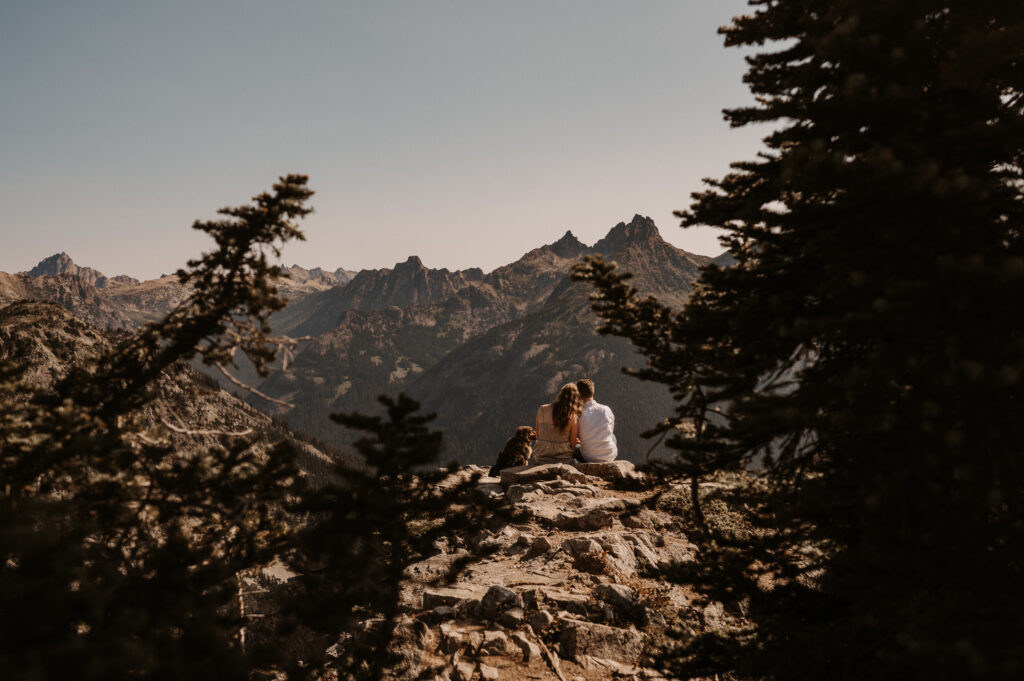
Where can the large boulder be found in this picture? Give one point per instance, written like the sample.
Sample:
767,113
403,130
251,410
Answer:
451,595
520,475
498,599
590,517
598,640
610,470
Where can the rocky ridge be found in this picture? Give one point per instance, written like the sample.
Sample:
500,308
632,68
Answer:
122,302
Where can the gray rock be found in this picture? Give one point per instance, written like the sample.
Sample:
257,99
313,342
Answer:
576,546
552,471
497,600
598,640
511,618
542,545
619,596
566,600
594,562
594,519
530,649
643,551
435,566
451,595
495,643
489,488
526,540
619,554
593,516
540,620
463,671
451,639
444,612
611,470
531,599
470,608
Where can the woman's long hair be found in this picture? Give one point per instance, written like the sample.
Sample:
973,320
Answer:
567,405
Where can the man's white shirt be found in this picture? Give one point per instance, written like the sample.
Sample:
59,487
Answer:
597,433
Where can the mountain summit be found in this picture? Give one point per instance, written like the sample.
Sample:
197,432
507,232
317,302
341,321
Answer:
61,263
640,231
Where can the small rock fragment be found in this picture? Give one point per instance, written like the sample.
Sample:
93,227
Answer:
444,612
488,673
451,639
539,620
463,671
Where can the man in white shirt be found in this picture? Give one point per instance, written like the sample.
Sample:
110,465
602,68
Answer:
597,426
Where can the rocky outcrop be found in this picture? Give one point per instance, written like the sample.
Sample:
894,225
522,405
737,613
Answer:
546,601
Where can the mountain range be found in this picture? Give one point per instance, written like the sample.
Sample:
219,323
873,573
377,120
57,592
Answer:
481,350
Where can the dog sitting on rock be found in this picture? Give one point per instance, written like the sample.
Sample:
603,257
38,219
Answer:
517,450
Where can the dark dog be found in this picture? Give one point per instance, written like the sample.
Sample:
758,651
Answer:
517,450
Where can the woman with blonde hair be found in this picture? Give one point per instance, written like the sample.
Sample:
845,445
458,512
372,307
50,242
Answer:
557,427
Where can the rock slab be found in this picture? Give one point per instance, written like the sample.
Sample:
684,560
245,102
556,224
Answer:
598,640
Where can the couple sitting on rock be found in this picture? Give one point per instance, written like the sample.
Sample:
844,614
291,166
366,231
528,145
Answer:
575,427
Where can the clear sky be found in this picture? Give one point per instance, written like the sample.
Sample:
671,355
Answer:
463,131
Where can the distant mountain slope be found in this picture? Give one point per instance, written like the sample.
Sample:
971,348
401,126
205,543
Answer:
372,351
493,351
485,388
482,350
71,292
46,341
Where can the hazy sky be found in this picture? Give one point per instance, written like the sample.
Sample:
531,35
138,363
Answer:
466,132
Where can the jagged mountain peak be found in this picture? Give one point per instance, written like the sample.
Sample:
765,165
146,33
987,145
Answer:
568,246
303,275
641,231
60,263
413,262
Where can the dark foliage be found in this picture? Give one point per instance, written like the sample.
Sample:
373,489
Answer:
866,347
119,550
368,528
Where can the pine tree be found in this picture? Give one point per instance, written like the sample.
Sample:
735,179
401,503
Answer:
366,528
866,347
119,550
